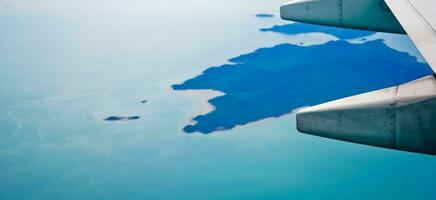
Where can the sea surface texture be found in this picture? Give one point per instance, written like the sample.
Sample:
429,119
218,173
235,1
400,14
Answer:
97,98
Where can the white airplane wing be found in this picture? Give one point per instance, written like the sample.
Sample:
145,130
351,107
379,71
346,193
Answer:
418,18
401,117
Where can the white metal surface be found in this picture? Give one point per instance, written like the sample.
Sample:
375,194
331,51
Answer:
418,18
401,117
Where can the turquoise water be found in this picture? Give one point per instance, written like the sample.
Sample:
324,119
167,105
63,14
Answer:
66,66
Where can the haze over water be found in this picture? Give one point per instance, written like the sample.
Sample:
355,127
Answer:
65,66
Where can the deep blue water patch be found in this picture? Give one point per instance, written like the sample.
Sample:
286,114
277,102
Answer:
264,15
299,28
117,118
272,82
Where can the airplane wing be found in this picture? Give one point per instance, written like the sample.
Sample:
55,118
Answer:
401,117
418,18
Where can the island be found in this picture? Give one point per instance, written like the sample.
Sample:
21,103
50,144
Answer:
117,118
274,81
264,15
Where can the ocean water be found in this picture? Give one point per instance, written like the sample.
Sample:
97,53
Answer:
65,66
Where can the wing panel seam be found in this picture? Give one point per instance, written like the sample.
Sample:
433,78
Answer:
421,16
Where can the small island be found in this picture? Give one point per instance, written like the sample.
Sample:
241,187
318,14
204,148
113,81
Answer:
117,118
264,15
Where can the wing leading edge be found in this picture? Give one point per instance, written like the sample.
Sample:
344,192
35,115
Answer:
418,18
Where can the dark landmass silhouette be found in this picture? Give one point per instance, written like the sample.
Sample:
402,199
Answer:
272,82
299,28
116,118
264,15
